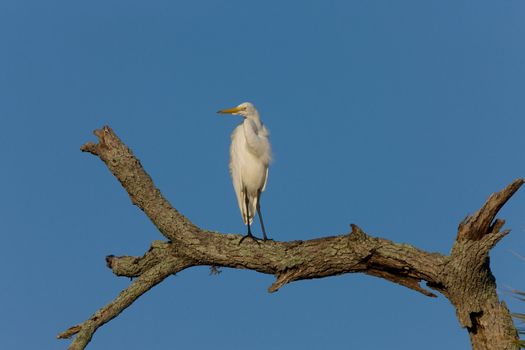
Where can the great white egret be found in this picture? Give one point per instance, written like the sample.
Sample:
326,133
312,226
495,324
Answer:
250,156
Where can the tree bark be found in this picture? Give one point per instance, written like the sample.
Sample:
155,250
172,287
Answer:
464,276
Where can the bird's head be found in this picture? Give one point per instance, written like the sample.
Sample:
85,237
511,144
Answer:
245,109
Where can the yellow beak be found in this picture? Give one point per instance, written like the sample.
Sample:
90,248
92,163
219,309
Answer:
230,111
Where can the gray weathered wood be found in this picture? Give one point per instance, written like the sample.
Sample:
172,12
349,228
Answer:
464,276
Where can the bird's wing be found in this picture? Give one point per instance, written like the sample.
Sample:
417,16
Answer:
241,197
265,180
235,170
257,143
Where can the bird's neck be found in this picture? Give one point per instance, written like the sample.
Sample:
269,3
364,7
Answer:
254,117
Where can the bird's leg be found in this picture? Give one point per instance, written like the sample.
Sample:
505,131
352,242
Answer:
260,216
246,203
249,226
249,234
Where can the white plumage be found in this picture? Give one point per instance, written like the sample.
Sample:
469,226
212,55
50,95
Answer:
250,156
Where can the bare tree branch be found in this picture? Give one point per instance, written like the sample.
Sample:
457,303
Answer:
131,266
141,285
479,224
464,276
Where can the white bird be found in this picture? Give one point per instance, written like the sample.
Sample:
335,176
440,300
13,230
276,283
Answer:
250,156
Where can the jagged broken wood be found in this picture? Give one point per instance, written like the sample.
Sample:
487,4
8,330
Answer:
464,276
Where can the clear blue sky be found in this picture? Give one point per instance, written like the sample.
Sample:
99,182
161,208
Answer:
399,116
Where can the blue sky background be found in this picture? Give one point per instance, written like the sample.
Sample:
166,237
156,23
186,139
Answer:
399,116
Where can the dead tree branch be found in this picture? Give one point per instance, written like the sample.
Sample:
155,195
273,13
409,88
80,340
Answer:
147,280
464,276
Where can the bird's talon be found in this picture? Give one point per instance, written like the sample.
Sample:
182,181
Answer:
249,236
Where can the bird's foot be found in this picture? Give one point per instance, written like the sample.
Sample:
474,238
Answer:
265,238
249,235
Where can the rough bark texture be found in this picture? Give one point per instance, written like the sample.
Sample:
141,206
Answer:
464,276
